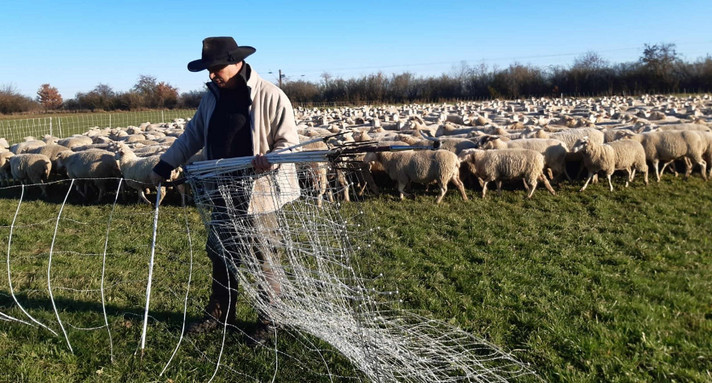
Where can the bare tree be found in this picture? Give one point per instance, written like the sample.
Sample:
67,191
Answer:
590,61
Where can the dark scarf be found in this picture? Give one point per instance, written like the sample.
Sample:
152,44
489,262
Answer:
229,130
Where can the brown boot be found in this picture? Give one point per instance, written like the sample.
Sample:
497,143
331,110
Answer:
217,313
264,330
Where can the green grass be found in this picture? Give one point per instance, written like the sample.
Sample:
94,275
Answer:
587,287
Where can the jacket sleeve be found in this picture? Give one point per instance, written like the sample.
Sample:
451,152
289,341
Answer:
283,125
191,141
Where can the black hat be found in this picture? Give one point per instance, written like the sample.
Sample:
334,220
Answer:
220,51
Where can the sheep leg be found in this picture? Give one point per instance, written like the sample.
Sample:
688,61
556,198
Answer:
655,167
547,184
703,168
533,187
163,195
673,170
142,196
610,184
484,187
629,177
79,190
460,186
499,187
526,186
588,179
550,173
401,190
43,187
443,190
341,178
566,173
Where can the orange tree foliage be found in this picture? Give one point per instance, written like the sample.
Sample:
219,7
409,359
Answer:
49,97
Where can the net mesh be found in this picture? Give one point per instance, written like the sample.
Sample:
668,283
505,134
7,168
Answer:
291,252
78,274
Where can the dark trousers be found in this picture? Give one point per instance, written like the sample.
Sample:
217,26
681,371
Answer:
238,240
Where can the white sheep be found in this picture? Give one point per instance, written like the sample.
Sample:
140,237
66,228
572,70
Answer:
94,166
137,170
553,150
617,155
507,164
74,141
5,174
668,146
597,157
31,167
421,166
23,147
630,156
52,151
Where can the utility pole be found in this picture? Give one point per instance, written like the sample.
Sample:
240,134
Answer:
281,76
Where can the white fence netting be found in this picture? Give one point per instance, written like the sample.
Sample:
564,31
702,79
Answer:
79,273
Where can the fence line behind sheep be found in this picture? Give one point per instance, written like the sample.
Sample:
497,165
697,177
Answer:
66,125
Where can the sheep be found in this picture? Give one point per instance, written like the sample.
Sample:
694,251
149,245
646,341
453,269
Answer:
554,151
507,164
422,167
630,156
668,146
93,166
137,170
52,151
597,157
31,167
24,146
71,142
5,175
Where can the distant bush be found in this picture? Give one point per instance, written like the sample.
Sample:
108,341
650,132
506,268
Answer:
11,101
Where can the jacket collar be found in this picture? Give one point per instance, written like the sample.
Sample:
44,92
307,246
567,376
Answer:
248,75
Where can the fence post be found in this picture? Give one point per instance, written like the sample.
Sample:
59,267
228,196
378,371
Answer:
59,122
50,126
110,121
163,119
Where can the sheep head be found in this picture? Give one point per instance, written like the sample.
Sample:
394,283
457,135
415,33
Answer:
581,145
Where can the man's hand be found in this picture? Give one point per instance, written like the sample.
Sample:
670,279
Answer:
156,179
261,164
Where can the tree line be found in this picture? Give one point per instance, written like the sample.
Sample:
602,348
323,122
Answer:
147,93
658,70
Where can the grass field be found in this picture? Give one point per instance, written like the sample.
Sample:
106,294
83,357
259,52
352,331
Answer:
586,287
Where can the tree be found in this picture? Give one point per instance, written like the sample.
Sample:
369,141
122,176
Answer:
590,61
156,94
11,101
659,58
659,62
102,97
49,97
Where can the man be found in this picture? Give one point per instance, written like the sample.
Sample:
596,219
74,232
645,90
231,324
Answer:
241,114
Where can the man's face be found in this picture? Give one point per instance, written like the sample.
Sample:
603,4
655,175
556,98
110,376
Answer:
224,75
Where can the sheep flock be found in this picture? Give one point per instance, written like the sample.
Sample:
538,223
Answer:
521,142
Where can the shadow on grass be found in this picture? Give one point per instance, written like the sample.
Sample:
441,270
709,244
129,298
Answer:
173,320
57,191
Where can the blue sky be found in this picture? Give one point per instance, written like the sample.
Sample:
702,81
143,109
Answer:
76,45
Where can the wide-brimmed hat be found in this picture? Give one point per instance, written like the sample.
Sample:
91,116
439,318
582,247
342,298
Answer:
220,51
